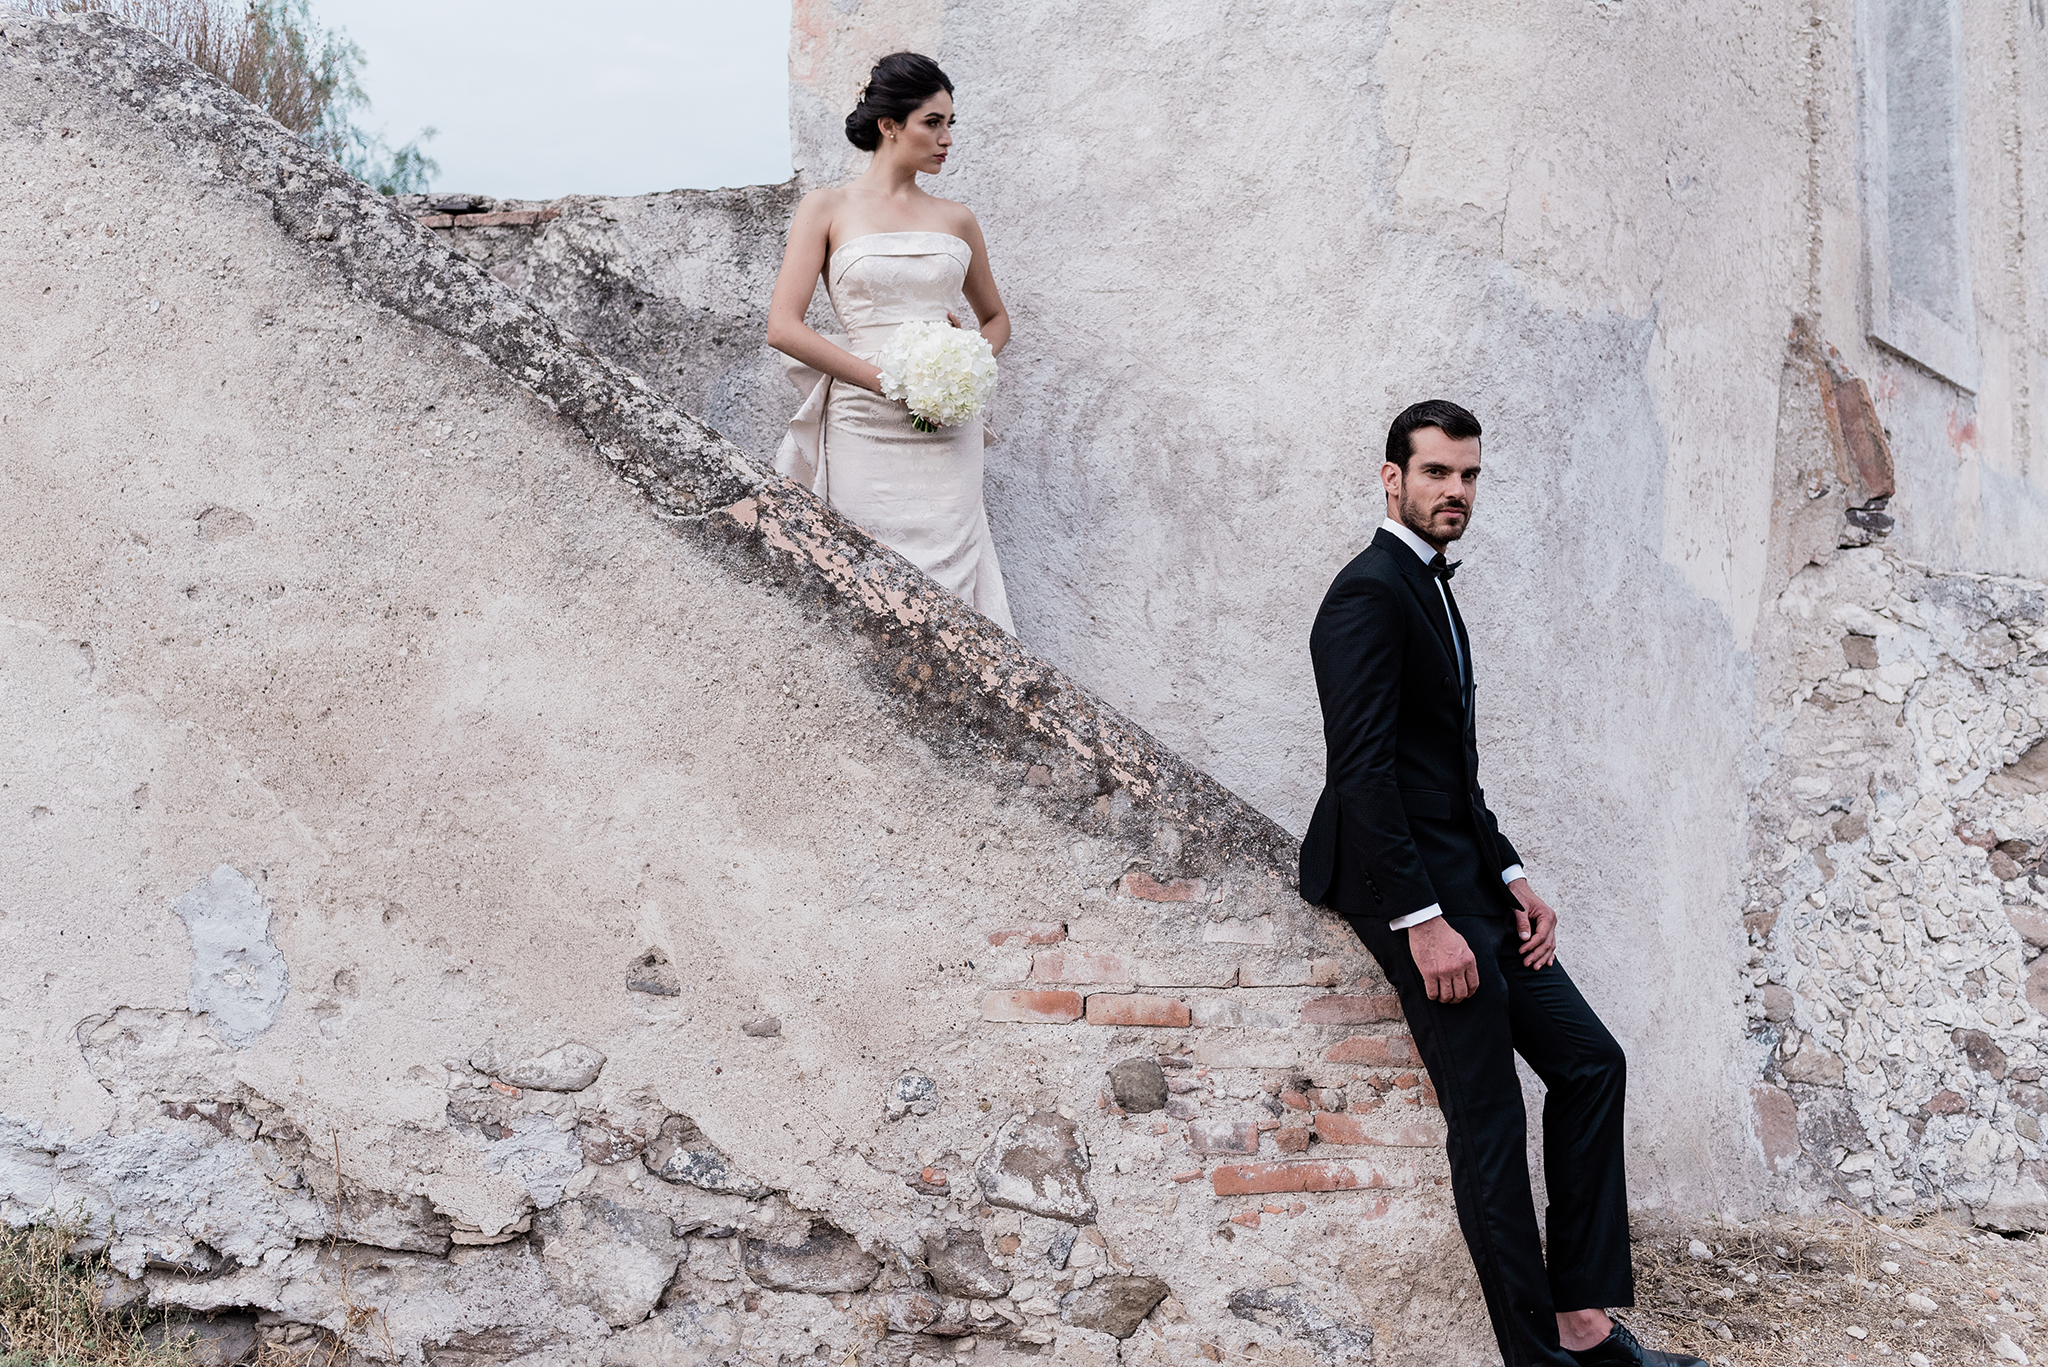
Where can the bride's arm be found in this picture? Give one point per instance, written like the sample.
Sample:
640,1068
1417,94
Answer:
980,289
802,262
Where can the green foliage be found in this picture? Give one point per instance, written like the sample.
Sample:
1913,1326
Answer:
275,54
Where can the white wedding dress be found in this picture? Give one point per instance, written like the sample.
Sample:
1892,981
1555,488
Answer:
919,493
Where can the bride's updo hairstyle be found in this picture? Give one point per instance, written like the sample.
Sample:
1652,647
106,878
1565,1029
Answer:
899,83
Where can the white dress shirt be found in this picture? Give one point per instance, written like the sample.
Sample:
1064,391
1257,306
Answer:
1426,553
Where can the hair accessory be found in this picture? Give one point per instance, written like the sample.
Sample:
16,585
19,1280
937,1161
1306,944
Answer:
860,96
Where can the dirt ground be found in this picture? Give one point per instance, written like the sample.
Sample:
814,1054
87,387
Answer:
1839,1287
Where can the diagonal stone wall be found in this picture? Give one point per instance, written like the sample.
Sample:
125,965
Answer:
494,874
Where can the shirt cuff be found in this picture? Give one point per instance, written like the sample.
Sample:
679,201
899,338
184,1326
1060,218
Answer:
1511,873
1416,918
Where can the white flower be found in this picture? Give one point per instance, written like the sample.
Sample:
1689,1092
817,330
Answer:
943,373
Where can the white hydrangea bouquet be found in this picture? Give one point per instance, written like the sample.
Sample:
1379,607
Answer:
943,373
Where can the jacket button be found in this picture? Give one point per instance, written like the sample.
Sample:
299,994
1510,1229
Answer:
1447,681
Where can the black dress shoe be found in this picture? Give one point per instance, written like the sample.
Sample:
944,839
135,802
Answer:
1620,1349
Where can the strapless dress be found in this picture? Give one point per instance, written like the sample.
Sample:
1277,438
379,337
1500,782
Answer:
919,493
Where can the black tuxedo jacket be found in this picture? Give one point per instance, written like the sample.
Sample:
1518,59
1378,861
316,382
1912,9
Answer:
1402,822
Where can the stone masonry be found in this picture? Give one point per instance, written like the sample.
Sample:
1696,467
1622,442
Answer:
1898,899
497,876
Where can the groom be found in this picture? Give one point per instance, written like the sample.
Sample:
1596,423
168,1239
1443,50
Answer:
1403,846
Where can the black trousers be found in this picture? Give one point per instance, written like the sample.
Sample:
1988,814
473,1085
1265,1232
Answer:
1469,1049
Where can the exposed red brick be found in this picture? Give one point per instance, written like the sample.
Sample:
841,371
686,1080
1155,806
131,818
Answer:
1347,1128
504,1089
1081,966
1032,1008
1403,1081
1127,1008
1377,1050
1429,1093
1291,1138
1138,883
1324,973
1246,1217
1263,1179
436,220
1006,1244
1265,1125
1275,1208
1223,1136
1038,776
1945,1103
1338,1010
1191,1175
1294,1100
1298,1208
1034,933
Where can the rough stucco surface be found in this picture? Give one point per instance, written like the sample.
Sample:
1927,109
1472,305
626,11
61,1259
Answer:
674,286
632,838
496,873
1607,229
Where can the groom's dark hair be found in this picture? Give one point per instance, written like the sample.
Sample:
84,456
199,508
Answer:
1454,422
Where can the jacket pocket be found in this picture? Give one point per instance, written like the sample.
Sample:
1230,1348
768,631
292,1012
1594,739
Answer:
1426,802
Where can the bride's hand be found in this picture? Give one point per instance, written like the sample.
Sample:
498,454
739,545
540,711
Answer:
951,318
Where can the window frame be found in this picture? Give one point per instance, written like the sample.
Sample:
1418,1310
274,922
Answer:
1896,321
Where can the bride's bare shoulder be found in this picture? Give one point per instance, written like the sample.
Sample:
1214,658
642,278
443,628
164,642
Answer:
820,207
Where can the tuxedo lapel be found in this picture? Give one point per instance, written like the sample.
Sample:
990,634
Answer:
1423,586
1464,645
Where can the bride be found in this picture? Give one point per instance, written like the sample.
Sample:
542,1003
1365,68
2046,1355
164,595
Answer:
891,254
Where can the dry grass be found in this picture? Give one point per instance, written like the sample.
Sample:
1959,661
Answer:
51,1309
1787,1292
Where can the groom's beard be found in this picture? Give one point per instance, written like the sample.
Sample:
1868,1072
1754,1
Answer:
1426,518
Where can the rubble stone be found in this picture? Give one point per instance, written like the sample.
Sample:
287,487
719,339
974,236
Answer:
1113,1305
610,1258
960,1266
1037,1163
1337,1343
567,1067
680,1153
827,1262
1139,1085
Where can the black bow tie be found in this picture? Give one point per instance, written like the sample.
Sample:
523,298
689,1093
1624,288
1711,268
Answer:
1443,569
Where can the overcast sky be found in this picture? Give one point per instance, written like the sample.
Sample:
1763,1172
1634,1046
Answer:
601,97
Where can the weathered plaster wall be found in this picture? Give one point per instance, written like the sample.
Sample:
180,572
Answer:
492,866
1230,266
675,286
494,875
1625,235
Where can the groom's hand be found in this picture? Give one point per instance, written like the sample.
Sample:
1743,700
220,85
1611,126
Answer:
1536,923
1449,972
